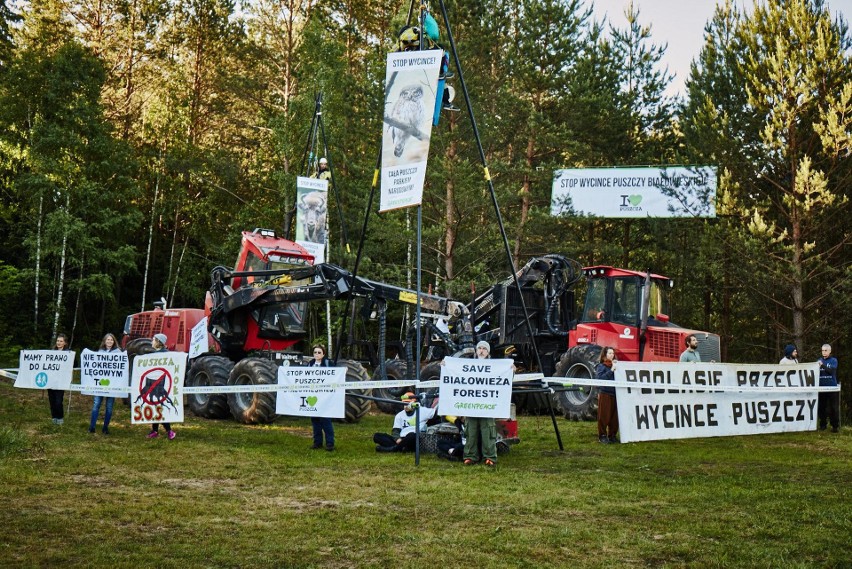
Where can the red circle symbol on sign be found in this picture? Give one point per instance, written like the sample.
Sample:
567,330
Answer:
155,385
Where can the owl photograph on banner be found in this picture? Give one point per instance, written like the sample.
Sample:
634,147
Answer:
408,118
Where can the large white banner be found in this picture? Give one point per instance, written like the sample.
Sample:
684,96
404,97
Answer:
312,396
785,401
411,85
45,369
681,191
199,342
312,216
156,387
475,388
104,369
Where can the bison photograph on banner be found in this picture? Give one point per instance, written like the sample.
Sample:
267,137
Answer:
411,85
156,388
312,216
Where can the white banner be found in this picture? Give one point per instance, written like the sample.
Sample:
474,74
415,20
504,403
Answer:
199,343
475,388
682,191
411,85
309,393
45,369
156,387
103,369
312,216
653,411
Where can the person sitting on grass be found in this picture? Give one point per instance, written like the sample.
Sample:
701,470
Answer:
403,435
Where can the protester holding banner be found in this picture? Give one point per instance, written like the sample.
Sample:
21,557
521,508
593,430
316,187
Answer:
322,424
56,397
481,439
108,344
158,342
791,355
403,434
607,404
690,354
829,403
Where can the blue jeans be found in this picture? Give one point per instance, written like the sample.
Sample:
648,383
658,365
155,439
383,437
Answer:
323,425
96,409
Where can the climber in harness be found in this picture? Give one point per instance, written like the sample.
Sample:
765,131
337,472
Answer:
409,40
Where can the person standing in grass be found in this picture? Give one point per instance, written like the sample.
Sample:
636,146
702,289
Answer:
158,342
481,431
321,425
607,404
828,406
108,345
56,397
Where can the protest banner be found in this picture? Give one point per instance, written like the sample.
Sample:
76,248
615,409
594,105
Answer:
676,191
476,388
411,85
104,369
199,342
45,369
156,388
312,216
310,394
675,401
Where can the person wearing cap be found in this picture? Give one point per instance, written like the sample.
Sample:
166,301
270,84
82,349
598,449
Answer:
158,342
481,432
791,355
323,173
404,433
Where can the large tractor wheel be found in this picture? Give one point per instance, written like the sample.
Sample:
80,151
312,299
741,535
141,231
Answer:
431,372
395,369
209,370
258,407
356,407
579,361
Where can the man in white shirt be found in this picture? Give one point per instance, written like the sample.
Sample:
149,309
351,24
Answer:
403,435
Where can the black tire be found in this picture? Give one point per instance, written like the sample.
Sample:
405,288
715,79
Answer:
582,404
431,372
395,369
209,370
356,407
258,407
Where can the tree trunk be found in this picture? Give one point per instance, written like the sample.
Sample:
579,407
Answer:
58,307
38,260
525,200
150,241
177,272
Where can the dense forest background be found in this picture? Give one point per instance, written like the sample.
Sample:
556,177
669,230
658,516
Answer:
139,137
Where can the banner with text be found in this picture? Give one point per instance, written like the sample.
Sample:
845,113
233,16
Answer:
653,411
476,388
311,399
103,369
199,342
45,369
312,216
682,191
156,387
411,85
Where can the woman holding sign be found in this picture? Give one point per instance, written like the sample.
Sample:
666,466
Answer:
108,344
56,397
321,424
607,406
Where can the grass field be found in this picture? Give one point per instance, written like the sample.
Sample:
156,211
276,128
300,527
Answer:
229,495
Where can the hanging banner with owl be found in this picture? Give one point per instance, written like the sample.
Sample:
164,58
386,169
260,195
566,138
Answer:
411,84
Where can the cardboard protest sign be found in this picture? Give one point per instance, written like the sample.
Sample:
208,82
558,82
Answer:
198,340
314,397
45,369
156,388
653,410
104,370
476,388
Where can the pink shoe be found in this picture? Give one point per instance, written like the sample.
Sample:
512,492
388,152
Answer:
153,435
172,435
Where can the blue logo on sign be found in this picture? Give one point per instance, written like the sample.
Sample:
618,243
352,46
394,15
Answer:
41,379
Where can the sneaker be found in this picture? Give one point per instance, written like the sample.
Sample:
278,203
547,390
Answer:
316,447
469,462
490,463
60,422
603,439
153,435
612,440
105,431
172,435
91,431
380,448
451,107
329,448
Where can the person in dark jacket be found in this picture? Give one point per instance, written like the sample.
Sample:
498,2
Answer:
56,397
828,406
321,425
607,407
791,355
